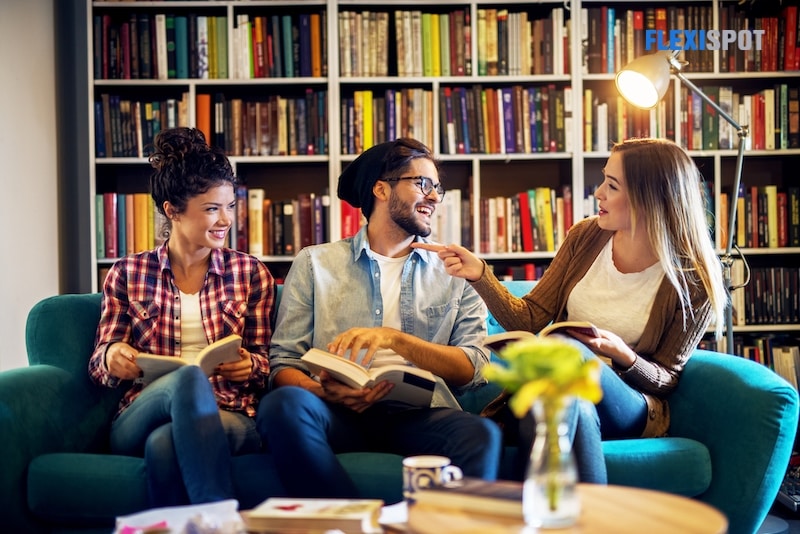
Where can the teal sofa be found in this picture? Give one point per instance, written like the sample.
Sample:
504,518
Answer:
733,428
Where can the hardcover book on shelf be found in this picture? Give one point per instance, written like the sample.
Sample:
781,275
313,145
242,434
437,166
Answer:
221,351
255,218
412,385
314,515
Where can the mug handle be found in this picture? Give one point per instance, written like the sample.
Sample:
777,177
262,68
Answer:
451,473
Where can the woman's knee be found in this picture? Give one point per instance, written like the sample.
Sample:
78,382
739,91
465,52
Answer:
191,387
191,376
159,444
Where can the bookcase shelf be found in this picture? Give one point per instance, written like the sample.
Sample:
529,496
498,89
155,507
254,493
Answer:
351,110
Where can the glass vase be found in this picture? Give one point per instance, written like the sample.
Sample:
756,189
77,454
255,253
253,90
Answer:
550,498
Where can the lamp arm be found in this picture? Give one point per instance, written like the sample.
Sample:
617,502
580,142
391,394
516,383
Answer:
727,259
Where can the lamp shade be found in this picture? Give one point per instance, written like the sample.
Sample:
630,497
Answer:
644,81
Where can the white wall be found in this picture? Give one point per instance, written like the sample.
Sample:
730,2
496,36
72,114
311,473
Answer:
28,201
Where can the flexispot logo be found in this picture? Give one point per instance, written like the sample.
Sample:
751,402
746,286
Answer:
703,39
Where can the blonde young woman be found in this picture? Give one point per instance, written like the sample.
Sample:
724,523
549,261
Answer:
643,270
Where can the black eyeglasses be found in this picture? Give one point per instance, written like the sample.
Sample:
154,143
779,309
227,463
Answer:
425,184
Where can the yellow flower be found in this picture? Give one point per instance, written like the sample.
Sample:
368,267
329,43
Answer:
544,368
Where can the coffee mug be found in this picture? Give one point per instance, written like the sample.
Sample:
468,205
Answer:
420,472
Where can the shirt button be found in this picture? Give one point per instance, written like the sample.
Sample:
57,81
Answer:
377,312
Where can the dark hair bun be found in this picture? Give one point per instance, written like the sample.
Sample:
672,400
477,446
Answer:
171,146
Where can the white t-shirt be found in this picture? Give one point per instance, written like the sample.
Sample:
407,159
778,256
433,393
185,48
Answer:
391,277
615,301
193,337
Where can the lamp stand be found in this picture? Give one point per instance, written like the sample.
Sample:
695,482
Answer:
727,259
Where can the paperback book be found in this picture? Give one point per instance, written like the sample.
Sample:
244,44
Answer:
221,351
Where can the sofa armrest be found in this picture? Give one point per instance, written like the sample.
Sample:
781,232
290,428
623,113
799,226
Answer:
45,409
746,415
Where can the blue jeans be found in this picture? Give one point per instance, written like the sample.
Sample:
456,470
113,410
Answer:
175,424
305,433
621,413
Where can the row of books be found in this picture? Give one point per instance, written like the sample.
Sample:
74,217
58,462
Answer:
271,227
505,120
274,125
126,224
129,223
516,43
365,43
775,351
772,115
167,46
764,295
533,220
473,119
371,117
613,37
428,43
766,216
125,128
771,296
143,45
780,42
280,45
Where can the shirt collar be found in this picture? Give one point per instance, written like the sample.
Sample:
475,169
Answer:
360,246
216,265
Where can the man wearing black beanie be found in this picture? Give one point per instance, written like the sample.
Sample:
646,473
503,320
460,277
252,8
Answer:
375,300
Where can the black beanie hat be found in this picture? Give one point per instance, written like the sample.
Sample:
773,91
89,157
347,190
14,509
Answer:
356,181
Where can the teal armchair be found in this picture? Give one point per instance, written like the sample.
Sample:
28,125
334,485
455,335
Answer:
733,428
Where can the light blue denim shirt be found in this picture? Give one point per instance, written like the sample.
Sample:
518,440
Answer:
336,286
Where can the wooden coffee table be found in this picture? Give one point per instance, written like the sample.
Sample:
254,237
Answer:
604,510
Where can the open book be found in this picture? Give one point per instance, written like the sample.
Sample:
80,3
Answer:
496,342
412,385
221,351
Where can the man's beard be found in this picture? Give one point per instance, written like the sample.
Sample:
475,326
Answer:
409,223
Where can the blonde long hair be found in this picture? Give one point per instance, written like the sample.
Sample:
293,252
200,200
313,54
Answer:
665,187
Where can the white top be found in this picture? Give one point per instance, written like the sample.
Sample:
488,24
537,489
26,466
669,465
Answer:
615,301
391,275
193,337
